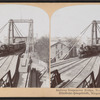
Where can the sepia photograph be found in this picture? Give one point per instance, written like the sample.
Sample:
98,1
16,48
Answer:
49,49
75,47
24,46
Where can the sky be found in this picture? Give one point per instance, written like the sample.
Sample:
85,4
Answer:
71,21
13,11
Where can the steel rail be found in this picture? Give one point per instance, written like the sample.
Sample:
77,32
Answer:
79,72
10,62
62,62
4,62
73,66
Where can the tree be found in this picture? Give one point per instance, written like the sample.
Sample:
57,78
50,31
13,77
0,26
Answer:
72,44
42,48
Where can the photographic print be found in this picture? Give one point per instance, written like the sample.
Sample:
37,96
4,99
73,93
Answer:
75,47
24,46
50,50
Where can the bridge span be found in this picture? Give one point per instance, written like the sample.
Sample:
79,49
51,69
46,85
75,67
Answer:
19,67
82,71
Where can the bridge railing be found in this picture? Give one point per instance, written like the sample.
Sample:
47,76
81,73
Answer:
28,76
32,79
88,82
5,81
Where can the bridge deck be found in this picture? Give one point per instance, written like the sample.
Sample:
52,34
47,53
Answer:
76,69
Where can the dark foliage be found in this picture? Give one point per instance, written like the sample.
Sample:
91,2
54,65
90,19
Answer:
42,48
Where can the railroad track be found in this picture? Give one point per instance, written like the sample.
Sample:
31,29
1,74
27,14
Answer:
5,63
2,61
68,65
82,71
59,63
71,66
5,58
1,58
8,63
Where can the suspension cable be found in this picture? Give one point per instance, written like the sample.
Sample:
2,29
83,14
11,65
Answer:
3,27
80,35
98,28
18,30
76,42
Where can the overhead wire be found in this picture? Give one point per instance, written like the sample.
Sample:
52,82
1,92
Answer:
18,30
80,35
3,27
98,28
83,32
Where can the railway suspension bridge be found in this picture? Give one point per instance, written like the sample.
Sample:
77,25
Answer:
17,62
79,72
